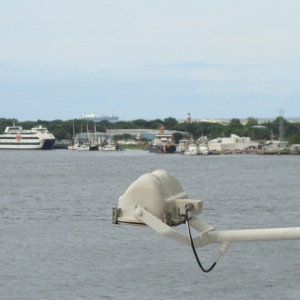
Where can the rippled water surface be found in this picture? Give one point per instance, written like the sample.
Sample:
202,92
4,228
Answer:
57,241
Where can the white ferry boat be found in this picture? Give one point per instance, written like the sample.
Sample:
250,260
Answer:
15,137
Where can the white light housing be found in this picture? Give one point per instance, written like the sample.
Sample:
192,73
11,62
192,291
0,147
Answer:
161,194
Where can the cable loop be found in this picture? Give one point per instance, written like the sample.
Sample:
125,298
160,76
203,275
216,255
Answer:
188,208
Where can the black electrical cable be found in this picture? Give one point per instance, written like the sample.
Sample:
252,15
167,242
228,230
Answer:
188,208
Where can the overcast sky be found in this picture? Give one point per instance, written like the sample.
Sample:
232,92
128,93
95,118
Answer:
149,59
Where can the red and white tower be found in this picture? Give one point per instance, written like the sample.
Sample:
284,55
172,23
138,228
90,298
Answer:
188,118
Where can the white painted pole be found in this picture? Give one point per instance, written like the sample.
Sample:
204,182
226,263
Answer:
252,235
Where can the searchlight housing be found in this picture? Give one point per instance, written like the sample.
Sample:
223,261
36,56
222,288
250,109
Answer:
161,194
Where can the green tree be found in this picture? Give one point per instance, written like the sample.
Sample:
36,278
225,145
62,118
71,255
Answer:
140,123
177,136
251,121
234,127
170,123
155,124
295,138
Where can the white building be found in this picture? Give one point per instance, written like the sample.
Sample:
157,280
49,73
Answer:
295,149
275,146
232,143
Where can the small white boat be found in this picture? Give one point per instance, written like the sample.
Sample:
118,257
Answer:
107,147
192,150
84,147
203,149
182,146
73,146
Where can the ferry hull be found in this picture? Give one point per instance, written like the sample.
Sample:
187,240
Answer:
48,144
42,145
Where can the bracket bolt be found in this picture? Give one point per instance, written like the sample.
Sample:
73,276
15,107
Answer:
138,212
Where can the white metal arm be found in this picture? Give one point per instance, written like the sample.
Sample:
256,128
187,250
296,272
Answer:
160,227
208,235
252,235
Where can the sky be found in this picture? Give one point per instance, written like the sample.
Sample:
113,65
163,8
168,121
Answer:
149,59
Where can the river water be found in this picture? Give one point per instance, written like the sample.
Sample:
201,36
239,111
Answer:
57,240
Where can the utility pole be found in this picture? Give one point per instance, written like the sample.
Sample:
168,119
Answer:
281,131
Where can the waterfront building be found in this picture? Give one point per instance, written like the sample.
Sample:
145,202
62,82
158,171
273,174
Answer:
232,143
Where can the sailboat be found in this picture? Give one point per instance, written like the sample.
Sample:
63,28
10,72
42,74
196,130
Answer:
75,142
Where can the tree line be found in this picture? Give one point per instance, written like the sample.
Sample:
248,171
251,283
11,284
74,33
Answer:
264,131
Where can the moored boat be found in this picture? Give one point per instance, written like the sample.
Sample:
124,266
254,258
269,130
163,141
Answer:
203,149
182,146
108,147
162,143
193,149
37,138
84,147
